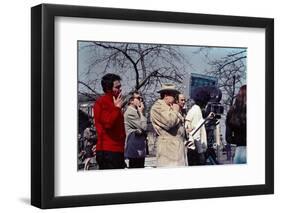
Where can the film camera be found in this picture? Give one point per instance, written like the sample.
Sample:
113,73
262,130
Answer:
208,98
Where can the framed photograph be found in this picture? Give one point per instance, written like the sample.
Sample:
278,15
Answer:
136,106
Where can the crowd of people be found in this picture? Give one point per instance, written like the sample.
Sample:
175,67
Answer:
122,131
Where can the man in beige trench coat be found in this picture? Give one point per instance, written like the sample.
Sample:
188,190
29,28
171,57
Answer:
168,124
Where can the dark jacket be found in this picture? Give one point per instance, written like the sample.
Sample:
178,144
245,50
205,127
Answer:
236,124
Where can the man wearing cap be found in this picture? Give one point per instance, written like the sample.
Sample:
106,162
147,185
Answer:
168,124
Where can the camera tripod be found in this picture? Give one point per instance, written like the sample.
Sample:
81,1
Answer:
212,126
213,142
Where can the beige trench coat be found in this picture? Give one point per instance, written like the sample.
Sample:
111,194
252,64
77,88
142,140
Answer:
169,127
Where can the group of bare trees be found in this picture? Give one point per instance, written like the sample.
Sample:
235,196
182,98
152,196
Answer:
144,67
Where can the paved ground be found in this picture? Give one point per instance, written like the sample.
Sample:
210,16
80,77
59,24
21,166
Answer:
223,158
150,161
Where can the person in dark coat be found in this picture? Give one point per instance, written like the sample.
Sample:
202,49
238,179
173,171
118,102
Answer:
236,124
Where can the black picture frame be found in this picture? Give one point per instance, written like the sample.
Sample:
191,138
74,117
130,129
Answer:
43,105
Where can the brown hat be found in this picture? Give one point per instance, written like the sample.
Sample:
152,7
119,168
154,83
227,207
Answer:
168,87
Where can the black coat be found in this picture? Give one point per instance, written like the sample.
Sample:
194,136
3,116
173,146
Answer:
236,127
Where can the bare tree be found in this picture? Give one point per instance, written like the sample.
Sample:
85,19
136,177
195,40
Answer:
142,66
230,70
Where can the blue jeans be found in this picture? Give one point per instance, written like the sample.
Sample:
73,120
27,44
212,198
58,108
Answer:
240,156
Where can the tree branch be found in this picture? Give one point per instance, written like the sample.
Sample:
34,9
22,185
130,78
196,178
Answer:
236,53
127,56
220,68
86,85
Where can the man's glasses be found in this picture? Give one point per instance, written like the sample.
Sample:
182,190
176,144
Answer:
139,98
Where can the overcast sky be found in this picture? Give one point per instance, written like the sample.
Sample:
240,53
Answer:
197,61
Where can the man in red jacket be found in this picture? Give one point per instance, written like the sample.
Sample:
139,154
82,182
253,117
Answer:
109,122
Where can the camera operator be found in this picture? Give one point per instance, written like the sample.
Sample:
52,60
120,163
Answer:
196,152
206,113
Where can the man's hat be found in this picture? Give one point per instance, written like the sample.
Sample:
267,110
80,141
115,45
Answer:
168,88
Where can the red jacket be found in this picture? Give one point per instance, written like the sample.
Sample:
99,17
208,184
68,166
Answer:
109,122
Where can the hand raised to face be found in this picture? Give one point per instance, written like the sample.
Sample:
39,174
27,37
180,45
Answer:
176,107
118,102
141,107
